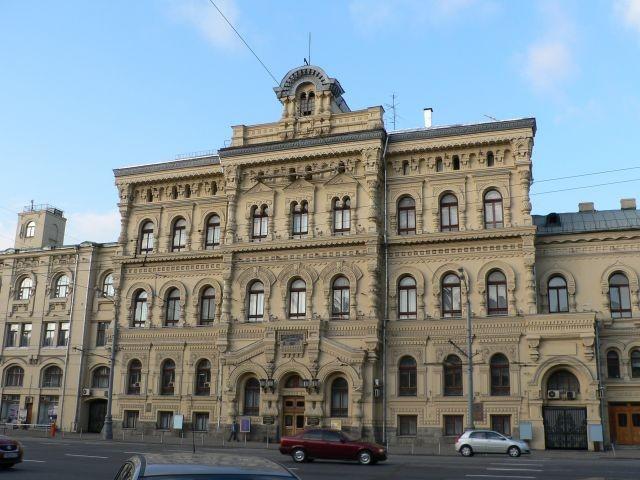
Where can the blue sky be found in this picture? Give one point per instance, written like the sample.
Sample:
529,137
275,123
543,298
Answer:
89,86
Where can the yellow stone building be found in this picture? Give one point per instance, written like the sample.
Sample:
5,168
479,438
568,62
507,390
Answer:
317,272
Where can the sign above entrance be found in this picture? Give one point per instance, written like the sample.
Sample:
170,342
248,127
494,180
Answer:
291,339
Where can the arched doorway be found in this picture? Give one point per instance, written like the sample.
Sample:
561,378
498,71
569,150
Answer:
565,424
293,405
97,412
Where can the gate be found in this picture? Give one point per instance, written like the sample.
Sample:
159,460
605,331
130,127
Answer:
565,428
97,412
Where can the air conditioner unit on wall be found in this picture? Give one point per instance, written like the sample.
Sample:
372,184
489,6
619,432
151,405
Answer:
553,394
571,395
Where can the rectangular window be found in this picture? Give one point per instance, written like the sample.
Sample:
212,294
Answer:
635,419
49,334
622,419
501,424
101,335
407,425
25,334
164,420
47,409
13,330
130,419
453,425
201,422
10,408
63,334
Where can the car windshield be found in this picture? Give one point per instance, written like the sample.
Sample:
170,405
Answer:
213,476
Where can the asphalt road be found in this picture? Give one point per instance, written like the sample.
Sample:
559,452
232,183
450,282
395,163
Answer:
96,460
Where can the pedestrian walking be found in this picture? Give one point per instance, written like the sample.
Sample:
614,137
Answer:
233,435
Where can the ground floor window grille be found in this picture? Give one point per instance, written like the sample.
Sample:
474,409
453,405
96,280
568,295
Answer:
201,422
164,420
407,425
130,419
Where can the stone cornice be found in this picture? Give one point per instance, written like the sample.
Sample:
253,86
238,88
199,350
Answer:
450,237
164,166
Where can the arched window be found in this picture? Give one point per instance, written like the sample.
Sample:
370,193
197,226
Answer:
14,376
214,188
52,377
167,377
149,195
187,191
298,299
134,377
140,309
455,162
557,294
497,293
407,377
100,378
251,407
203,377
490,159
146,238
300,219
619,300
293,381
174,192
451,300
635,363
449,213
256,301
30,229
179,241
340,298
173,309
406,216
452,376
493,210
564,381
26,289
407,296
500,375
212,237
613,364
108,289
307,104
260,226
341,216
208,306
61,288
405,167
439,165
339,398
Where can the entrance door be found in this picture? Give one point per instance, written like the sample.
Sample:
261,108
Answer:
624,421
565,428
97,412
293,415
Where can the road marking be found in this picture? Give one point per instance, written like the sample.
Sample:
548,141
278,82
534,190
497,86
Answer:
500,476
84,456
35,461
518,464
515,469
140,453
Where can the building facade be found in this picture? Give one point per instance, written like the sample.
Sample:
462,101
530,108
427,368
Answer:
317,272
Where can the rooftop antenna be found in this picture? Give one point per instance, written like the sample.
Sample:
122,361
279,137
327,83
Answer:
393,106
491,118
307,61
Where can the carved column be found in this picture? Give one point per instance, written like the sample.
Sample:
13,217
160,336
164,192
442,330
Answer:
525,184
231,187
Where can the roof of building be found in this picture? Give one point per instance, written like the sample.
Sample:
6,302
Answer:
582,222
462,129
192,161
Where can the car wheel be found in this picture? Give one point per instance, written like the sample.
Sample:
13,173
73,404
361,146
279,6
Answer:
299,455
466,451
513,452
364,457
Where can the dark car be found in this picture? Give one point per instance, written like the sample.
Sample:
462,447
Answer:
10,452
330,444
212,466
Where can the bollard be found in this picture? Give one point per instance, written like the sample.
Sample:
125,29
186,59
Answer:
123,435
438,447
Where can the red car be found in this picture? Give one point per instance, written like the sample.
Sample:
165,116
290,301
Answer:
10,452
330,444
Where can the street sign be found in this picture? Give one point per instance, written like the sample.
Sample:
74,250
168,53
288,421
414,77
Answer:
245,425
336,424
178,421
268,420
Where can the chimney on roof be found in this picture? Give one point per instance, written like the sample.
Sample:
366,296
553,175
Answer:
428,113
628,203
586,207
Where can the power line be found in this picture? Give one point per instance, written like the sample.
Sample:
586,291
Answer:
245,42
587,174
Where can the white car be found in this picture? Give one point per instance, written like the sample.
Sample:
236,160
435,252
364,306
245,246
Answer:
488,441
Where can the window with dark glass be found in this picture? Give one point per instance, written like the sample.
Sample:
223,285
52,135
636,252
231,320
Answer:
493,210
201,421
340,298
449,213
500,385
174,192
173,308
63,334
307,104
100,378
453,425
52,377
407,425
260,226
300,223
25,334
30,230
293,381
49,334
212,236
451,296
13,331
406,216
497,293
25,289
341,216
140,309
298,299
203,377
452,376
501,424
167,377
439,165
134,377
251,405
455,162
179,241
339,398
146,238
61,288
407,298
14,376
613,364
564,381
635,363
208,306
256,302
490,159
108,289
164,420
619,299
130,419
405,167
101,334
407,377
558,295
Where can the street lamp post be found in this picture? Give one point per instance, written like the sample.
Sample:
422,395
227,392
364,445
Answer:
470,424
107,430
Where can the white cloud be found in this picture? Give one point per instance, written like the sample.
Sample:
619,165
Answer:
93,227
629,12
208,21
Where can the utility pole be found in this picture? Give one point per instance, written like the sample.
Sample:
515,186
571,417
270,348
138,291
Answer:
470,424
107,429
